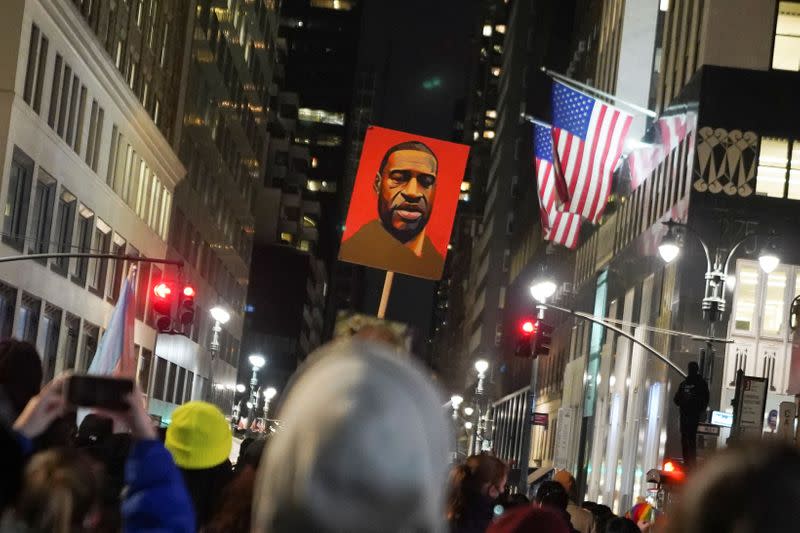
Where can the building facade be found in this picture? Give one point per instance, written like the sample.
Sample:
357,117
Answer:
731,177
65,107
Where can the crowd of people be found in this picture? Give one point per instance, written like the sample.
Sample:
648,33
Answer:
363,447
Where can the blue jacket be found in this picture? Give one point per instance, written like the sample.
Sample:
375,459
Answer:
156,498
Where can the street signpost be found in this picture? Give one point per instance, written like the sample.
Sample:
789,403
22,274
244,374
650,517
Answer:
749,401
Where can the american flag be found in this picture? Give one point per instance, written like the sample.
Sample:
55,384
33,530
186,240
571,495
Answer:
559,226
671,131
588,136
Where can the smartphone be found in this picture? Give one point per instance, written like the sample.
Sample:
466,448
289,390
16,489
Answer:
99,391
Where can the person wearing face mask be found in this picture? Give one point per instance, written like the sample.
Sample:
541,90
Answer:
474,488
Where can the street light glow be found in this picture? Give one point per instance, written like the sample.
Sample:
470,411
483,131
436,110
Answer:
257,361
481,365
468,411
455,400
240,388
468,424
542,290
220,315
769,262
668,251
270,393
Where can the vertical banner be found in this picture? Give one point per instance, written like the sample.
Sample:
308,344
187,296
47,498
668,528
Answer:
403,203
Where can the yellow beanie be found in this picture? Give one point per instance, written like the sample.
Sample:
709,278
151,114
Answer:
198,437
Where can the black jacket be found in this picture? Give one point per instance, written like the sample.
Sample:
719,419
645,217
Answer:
692,400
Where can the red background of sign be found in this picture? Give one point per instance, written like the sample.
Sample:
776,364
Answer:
364,201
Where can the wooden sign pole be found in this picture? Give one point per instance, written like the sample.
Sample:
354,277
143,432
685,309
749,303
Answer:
387,289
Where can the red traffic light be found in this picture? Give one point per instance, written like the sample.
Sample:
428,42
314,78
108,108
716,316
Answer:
189,291
162,290
528,327
669,466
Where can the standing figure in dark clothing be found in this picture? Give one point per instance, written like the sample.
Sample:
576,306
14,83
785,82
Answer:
692,401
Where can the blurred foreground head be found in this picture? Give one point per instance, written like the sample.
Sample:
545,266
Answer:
363,448
751,488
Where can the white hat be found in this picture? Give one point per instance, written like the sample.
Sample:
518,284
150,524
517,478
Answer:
363,448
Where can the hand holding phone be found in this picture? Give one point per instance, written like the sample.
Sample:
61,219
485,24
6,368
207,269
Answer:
99,391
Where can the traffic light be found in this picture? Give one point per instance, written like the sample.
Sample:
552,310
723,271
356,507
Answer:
544,337
186,309
163,300
527,333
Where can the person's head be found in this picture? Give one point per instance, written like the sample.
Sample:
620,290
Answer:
363,446
381,334
60,492
621,525
20,374
747,488
552,494
406,188
567,480
198,437
528,518
694,368
480,475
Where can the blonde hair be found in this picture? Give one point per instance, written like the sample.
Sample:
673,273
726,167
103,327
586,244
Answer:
59,490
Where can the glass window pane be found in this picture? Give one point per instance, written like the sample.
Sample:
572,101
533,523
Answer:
746,298
794,172
774,304
786,54
772,163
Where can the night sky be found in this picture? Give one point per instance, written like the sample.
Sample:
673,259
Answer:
421,52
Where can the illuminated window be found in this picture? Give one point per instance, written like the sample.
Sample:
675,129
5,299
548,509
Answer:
786,53
497,48
338,5
495,71
491,113
794,172
772,316
746,298
314,162
464,197
488,134
773,159
465,186
487,30
305,246
309,222
500,28
320,116
287,237
313,185
475,135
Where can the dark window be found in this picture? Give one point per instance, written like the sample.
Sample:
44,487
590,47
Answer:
81,116
64,98
34,74
142,289
160,378
65,222
73,325
73,109
18,200
83,244
91,334
187,396
28,319
90,141
51,115
117,269
43,214
144,369
30,70
168,394
51,323
99,267
180,385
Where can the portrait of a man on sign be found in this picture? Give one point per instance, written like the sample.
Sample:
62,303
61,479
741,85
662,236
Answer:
403,203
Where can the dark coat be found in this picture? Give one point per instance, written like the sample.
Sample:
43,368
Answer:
692,400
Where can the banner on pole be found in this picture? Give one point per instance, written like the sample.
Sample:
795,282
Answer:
403,203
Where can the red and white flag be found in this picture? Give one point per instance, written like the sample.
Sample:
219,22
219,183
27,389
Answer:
588,137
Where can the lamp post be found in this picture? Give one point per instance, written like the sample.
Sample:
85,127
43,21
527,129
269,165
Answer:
269,394
221,317
256,362
455,402
239,389
717,270
481,367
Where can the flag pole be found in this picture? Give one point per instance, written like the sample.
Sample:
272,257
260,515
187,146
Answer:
585,87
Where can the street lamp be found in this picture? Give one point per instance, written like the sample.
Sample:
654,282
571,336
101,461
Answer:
468,411
481,366
269,394
221,317
455,402
542,289
240,388
256,362
716,271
